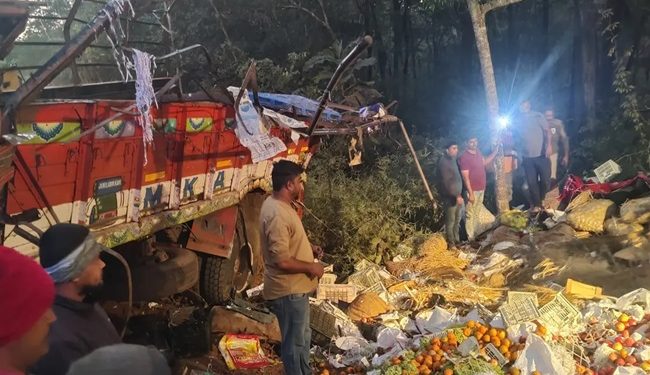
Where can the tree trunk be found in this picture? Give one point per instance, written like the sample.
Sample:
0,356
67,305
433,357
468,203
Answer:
397,36
478,12
382,57
544,52
513,40
589,23
576,103
407,37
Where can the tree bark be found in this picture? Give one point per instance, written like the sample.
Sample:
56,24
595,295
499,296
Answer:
397,36
576,103
478,11
323,20
544,51
589,23
406,31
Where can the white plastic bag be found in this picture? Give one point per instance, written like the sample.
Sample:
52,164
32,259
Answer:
538,356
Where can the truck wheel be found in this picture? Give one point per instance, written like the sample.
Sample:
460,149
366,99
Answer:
221,277
152,280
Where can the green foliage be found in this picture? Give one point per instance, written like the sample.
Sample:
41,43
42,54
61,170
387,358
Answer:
622,133
365,212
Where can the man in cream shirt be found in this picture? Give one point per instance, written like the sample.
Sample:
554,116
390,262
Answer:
290,271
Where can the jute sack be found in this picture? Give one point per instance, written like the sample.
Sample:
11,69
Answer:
591,216
367,305
617,227
636,211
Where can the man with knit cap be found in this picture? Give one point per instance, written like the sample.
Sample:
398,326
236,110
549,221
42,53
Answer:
71,256
26,295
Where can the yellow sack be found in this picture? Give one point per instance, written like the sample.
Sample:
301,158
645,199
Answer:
590,217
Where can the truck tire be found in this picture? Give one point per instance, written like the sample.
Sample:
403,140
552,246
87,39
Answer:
221,277
152,280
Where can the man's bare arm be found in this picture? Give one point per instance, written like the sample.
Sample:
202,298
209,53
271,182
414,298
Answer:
491,157
293,266
468,185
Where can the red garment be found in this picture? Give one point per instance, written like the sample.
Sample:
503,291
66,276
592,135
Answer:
474,163
576,185
26,292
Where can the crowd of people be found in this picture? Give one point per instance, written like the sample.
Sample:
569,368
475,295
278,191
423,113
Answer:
532,147
50,321
51,324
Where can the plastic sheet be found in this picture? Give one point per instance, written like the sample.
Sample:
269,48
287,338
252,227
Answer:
538,356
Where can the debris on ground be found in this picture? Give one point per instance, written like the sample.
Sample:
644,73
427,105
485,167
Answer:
533,295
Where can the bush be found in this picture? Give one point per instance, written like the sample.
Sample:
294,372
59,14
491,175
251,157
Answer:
365,212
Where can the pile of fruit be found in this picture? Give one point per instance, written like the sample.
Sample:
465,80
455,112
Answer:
516,219
440,355
624,346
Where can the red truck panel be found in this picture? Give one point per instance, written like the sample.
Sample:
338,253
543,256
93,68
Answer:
53,163
116,163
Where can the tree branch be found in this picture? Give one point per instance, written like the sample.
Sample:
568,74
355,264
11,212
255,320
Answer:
494,4
221,24
323,21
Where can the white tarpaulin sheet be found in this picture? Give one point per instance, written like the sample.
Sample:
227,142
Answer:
251,132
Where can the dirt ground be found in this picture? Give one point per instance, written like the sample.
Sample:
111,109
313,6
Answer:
589,261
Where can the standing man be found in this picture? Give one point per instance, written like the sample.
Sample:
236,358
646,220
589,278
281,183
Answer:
70,255
26,296
290,271
451,188
558,138
472,168
535,144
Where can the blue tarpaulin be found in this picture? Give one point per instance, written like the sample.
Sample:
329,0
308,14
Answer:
294,103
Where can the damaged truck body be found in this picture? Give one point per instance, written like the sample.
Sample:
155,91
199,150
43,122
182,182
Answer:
182,210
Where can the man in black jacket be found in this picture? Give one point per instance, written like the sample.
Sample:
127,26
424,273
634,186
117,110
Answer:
450,189
70,255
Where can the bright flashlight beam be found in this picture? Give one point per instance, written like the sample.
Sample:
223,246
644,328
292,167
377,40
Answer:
503,121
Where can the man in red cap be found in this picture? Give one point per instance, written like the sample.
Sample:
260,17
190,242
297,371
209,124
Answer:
27,293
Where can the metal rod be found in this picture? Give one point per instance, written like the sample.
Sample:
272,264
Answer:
129,285
360,47
31,88
417,164
183,50
79,20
